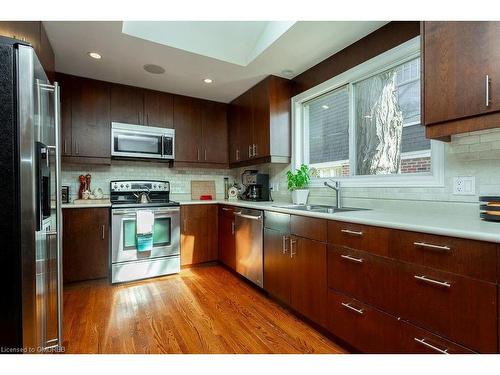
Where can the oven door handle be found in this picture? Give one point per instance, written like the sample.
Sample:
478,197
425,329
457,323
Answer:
157,213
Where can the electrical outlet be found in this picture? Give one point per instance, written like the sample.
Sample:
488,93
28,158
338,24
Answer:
465,185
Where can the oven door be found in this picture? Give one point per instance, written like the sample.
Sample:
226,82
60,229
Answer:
166,233
141,141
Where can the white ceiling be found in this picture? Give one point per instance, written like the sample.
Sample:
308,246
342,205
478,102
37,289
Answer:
231,41
304,45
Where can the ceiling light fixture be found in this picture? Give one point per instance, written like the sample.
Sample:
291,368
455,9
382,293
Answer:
153,69
208,80
95,55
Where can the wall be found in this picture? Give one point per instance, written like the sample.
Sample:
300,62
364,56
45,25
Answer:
180,178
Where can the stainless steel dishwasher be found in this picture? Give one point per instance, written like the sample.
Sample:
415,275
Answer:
249,244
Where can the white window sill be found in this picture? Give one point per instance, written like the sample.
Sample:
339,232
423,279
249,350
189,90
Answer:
406,180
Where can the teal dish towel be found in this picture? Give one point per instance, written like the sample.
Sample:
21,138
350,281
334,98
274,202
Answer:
144,242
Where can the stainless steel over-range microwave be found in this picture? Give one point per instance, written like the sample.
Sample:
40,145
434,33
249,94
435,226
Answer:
137,141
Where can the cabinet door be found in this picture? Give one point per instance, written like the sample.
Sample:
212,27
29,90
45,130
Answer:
234,130
245,118
227,250
187,123
199,234
127,104
260,108
457,58
28,31
308,274
277,263
90,125
159,109
214,132
66,84
85,243
46,54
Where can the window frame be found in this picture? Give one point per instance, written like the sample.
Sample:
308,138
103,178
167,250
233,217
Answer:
387,60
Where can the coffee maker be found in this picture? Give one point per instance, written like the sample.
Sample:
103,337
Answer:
256,186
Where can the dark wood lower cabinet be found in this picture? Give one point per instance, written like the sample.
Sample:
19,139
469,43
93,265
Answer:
308,278
277,264
227,245
85,243
199,233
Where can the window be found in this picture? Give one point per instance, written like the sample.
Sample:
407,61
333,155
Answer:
364,126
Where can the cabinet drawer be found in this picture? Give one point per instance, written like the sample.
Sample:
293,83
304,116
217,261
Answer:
370,278
415,340
365,328
309,227
277,221
464,257
459,308
357,236
227,211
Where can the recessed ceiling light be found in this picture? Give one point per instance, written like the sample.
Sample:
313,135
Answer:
153,69
324,106
95,55
208,80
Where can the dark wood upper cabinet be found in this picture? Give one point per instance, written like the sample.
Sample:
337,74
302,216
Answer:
260,123
461,77
127,104
187,122
214,132
46,54
90,120
158,109
86,243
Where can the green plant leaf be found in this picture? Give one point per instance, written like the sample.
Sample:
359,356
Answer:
299,179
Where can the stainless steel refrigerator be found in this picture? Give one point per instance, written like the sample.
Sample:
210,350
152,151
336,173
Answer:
30,202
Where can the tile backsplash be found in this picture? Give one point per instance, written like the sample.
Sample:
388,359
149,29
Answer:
473,154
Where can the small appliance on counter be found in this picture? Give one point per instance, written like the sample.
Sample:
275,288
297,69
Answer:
145,230
256,186
490,208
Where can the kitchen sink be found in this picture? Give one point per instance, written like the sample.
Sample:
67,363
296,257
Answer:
320,208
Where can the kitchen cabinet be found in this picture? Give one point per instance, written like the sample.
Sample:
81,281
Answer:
158,109
260,123
127,104
227,249
85,243
461,77
90,121
200,131
32,32
199,233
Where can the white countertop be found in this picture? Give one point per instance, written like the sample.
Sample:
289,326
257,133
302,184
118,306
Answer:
105,203
425,222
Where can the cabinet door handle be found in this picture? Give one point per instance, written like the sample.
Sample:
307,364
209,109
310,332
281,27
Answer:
352,232
205,154
147,118
487,90
352,308
428,280
226,209
198,153
430,346
431,246
64,145
352,259
249,151
103,232
254,150
283,246
232,227
292,242
185,225
237,155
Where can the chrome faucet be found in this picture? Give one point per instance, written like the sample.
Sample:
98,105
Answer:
336,187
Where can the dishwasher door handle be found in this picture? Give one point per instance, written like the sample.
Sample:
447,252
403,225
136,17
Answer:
251,217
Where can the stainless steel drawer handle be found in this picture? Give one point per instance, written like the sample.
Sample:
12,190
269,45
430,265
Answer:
431,246
103,232
432,281
487,90
248,216
352,308
285,238
352,259
292,242
352,232
226,209
232,227
430,346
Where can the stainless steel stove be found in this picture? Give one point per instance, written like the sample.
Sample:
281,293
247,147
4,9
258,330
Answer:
127,261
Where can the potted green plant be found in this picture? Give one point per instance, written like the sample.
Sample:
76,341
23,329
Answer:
297,182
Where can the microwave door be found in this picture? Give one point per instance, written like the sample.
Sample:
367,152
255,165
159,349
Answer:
131,144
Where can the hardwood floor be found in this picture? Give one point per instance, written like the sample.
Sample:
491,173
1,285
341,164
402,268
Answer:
203,310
